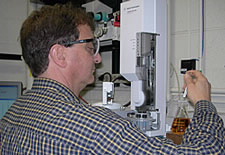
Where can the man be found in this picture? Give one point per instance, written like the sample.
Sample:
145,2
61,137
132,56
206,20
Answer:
59,47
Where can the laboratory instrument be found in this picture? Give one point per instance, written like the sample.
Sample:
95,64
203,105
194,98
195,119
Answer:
143,61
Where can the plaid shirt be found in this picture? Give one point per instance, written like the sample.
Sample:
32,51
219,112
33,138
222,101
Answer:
50,119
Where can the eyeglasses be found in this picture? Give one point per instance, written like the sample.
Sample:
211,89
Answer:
93,50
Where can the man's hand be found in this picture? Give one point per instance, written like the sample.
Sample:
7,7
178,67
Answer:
198,86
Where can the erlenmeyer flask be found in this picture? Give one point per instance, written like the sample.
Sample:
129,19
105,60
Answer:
181,121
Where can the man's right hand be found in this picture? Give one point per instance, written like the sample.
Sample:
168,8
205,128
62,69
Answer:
198,86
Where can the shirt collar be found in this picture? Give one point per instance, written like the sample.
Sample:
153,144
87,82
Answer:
46,83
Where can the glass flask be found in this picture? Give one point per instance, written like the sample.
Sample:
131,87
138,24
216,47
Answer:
181,121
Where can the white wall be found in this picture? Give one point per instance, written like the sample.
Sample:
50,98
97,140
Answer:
186,42
185,38
12,15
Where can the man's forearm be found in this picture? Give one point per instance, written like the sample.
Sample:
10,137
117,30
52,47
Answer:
206,130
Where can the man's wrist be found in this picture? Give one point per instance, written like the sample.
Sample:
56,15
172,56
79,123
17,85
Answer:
204,105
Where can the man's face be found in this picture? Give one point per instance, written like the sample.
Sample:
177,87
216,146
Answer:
82,61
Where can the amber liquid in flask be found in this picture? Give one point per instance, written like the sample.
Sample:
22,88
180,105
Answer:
180,125
180,122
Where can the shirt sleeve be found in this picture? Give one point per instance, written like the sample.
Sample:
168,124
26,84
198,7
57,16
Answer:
206,133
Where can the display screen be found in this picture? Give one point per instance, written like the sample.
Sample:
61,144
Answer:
9,92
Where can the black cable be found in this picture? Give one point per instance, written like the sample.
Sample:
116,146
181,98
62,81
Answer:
102,77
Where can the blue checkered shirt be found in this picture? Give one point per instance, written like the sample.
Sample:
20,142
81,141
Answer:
50,119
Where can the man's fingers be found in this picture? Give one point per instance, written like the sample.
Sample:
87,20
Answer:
188,78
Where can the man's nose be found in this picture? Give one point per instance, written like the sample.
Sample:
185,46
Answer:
98,58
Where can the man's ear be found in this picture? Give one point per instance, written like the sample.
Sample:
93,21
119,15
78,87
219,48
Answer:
57,54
